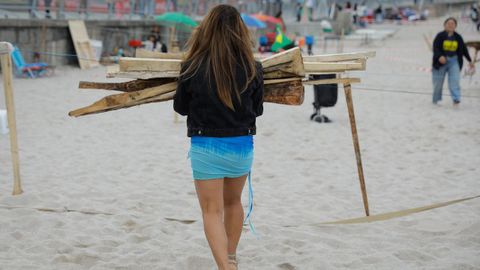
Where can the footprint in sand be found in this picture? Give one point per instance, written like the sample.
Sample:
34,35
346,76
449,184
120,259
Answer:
286,266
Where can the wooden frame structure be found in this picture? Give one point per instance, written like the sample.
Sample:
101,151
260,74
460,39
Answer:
284,75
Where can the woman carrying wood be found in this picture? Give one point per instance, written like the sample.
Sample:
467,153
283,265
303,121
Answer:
220,89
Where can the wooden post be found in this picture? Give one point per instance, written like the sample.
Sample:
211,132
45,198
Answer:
43,41
7,84
348,95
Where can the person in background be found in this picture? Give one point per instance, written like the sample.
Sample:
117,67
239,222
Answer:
150,8
48,4
474,16
309,40
278,6
133,7
379,14
310,6
83,7
448,52
111,8
155,31
348,6
355,14
154,44
299,10
174,5
32,5
162,47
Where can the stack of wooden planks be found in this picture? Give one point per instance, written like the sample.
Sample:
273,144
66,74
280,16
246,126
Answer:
155,76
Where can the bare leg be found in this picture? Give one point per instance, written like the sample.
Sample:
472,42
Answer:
210,196
232,195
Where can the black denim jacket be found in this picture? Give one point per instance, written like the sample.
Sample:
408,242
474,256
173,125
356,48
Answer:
208,116
438,49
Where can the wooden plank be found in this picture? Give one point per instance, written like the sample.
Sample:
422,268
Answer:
144,75
125,99
314,67
128,64
339,57
99,108
363,63
288,93
114,72
140,84
81,42
273,81
285,92
142,53
112,69
129,86
332,81
285,64
6,63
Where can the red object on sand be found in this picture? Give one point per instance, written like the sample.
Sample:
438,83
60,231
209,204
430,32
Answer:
134,43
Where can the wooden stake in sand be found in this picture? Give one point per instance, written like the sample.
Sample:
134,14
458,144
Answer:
7,84
348,95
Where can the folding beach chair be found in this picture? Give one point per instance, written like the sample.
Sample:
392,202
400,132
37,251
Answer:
32,70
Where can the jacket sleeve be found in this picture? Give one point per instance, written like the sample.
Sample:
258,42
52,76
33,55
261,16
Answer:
258,91
437,48
465,51
182,97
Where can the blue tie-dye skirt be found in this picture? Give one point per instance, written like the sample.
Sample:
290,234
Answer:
214,157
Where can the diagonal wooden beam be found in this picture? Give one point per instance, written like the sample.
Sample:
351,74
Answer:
348,95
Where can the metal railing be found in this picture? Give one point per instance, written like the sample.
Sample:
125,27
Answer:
126,9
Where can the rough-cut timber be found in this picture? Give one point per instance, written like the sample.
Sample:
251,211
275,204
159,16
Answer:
289,93
283,65
130,86
125,100
332,81
149,64
339,57
142,53
286,92
326,67
156,78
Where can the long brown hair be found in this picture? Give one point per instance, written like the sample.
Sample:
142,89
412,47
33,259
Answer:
223,43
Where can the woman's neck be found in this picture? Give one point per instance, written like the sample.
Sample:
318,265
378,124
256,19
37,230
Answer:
450,33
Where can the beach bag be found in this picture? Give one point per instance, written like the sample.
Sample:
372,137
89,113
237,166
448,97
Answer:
325,95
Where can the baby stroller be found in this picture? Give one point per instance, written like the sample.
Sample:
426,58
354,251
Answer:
325,95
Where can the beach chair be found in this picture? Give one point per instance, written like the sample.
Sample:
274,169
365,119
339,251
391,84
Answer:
32,70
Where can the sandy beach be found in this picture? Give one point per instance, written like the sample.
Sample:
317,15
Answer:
130,168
